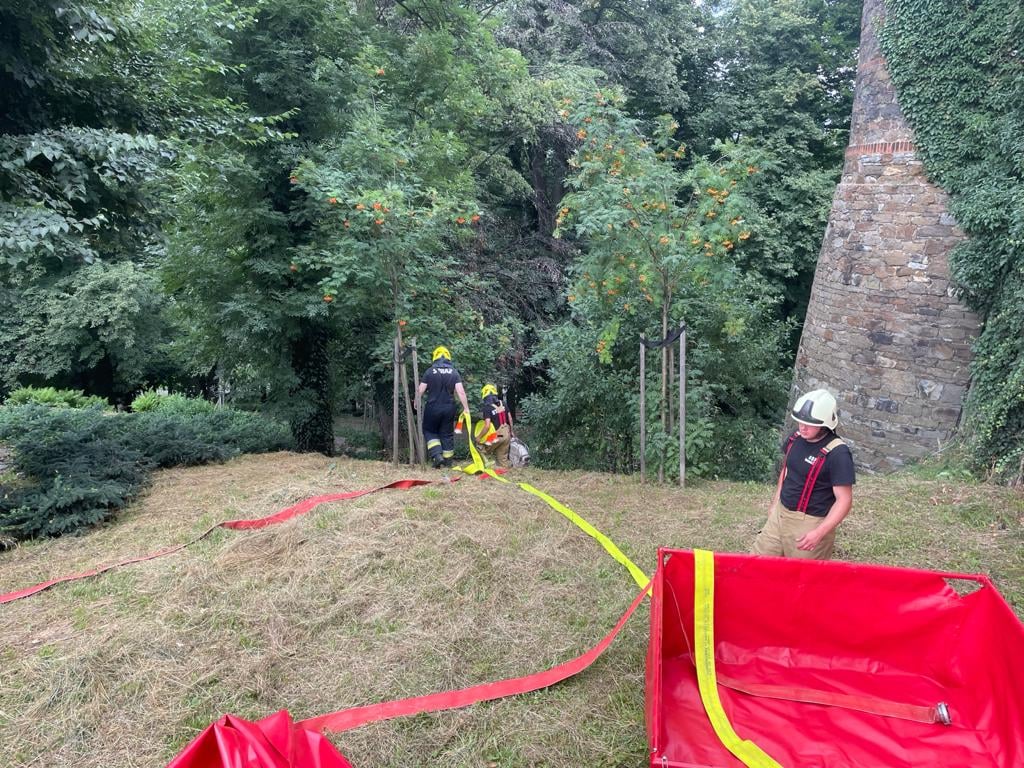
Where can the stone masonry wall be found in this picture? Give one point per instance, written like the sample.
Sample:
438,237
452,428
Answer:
883,331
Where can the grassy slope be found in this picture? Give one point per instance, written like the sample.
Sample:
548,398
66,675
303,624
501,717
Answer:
397,594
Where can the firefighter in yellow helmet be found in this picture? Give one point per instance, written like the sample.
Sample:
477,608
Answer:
815,489
493,430
442,384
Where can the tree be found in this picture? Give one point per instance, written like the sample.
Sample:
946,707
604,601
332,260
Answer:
660,246
654,51
90,94
783,80
397,132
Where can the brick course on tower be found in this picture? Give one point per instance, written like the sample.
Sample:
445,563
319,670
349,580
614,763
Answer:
883,330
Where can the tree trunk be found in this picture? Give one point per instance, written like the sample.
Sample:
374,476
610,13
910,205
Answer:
312,427
547,171
421,449
395,427
542,202
643,410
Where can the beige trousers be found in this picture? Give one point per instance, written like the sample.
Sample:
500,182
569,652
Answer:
498,449
784,528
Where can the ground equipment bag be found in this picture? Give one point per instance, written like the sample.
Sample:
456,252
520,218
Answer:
518,453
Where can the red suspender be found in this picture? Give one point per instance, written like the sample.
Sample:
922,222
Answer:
788,446
812,478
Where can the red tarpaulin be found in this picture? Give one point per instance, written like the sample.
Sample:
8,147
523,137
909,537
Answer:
868,637
273,742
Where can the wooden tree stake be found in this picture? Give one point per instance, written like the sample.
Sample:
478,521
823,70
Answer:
643,411
421,452
682,407
394,408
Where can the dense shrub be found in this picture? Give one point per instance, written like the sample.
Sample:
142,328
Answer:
147,401
170,438
75,468
56,398
586,415
154,401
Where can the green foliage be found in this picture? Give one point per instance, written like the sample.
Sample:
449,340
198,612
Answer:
358,441
788,89
960,79
586,415
400,200
55,398
72,216
272,189
77,467
241,219
171,404
661,246
658,55
587,412
101,327
94,99
168,437
147,401
776,74
652,233
298,262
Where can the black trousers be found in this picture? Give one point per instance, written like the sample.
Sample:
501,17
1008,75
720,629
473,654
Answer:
439,430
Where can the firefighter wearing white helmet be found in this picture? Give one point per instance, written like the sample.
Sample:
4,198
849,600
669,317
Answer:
442,383
815,489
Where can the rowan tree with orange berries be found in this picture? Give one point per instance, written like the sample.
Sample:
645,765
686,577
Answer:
660,234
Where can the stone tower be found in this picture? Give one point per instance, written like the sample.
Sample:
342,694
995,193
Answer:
883,332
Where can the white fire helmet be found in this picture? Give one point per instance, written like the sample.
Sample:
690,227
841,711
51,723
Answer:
818,409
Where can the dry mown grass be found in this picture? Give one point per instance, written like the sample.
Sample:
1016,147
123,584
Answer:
397,594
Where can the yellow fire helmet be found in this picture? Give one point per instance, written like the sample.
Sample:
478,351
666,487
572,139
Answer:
441,352
488,389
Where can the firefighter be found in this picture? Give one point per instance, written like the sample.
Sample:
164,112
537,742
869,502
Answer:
442,383
494,430
815,489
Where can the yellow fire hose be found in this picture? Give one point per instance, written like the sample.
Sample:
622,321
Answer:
704,630
703,620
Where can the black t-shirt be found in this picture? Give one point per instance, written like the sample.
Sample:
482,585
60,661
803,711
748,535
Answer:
494,410
441,378
837,470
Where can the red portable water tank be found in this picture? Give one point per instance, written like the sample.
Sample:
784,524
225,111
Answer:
871,639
